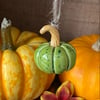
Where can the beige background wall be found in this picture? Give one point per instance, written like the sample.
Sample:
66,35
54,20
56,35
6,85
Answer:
79,17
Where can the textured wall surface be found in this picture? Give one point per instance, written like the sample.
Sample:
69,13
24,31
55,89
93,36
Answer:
78,17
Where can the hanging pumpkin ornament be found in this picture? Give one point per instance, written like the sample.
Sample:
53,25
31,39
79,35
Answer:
20,79
56,56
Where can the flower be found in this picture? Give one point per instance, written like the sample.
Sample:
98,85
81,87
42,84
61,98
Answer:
64,92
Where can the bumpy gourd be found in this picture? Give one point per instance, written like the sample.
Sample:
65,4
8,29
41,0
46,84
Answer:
56,56
20,79
85,75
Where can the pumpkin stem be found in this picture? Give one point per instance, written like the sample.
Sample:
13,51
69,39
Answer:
96,45
6,35
55,39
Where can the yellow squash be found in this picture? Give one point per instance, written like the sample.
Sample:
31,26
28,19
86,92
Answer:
20,79
85,75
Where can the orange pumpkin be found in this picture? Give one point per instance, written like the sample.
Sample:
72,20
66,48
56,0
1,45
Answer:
20,79
85,75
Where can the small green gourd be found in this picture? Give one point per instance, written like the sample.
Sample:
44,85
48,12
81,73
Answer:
55,56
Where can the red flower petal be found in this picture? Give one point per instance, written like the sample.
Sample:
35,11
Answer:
48,96
63,93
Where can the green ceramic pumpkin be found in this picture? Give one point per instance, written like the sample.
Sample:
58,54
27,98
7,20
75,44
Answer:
55,56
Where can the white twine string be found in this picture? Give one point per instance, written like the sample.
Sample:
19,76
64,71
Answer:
5,23
56,10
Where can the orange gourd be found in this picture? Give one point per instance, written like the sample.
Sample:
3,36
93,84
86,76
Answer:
85,75
20,79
